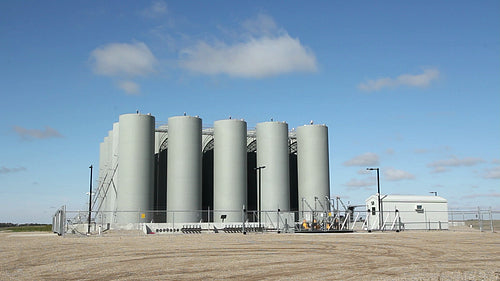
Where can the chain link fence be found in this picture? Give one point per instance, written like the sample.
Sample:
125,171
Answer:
66,222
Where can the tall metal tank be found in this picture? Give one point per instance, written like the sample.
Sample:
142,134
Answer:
100,189
135,168
313,167
113,187
230,169
107,178
184,169
108,184
272,152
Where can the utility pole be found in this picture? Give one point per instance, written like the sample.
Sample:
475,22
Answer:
90,199
259,170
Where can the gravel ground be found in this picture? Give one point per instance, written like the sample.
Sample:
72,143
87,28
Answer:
426,255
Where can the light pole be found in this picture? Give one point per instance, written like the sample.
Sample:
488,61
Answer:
90,199
259,170
379,201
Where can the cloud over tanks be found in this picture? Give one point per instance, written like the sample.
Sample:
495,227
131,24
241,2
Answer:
392,174
263,50
411,80
6,170
442,165
256,58
129,87
493,173
30,134
366,159
123,59
354,184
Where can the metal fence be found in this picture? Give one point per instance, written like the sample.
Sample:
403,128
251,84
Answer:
473,220
76,222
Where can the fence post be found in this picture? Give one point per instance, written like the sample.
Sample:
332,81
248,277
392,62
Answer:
278,222
243,218
480,219
491,221
452,222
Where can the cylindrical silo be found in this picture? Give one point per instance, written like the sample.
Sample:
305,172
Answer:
313,168
230,169
272,152
110,194
135,168
184,169
100,189
113,187
106,180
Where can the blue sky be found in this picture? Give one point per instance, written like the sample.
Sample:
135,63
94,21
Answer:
410,87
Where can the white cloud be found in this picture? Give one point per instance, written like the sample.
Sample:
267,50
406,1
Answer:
265,51
29,134
439,169
477,195
256,58
261,25
157,9
364,172
130,87
354,184
493,173
5,170
392,174
495,161
456,162
367,159
417,80
421,150
389,151
122,59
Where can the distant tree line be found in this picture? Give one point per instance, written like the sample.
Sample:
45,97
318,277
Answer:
8,224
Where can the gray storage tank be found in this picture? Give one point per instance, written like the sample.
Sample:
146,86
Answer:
100,189
184,169
107,181
230,169
313,167
272,152
135,168
114,187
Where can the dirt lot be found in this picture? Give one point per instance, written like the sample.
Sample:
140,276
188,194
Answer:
434,255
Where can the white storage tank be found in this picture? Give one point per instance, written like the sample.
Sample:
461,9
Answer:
107,181
272,152
313,168
230,169
135,168
114,187
100,189
184,169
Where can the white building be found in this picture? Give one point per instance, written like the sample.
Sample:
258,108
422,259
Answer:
407,212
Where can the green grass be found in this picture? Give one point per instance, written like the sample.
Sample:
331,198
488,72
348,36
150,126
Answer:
31,228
